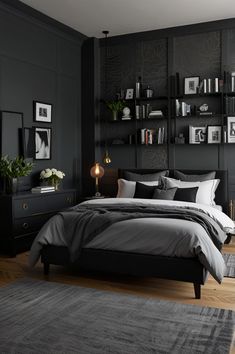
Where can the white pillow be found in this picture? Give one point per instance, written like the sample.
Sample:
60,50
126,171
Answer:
126,189
205,193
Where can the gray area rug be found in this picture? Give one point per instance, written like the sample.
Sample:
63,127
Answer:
52,318
230,262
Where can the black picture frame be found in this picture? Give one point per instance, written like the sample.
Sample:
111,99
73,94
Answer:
42,112
191,85
42,143
214,134
28,143
12,134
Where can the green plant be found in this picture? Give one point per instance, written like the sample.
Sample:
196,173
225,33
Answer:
13,168
116,106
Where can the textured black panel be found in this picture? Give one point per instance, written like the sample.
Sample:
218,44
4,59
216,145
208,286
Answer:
197,55
151,65
153,157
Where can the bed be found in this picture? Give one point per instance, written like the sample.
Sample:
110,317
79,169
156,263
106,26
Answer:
132,261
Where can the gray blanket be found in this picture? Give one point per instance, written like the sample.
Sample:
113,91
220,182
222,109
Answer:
78,226
84,223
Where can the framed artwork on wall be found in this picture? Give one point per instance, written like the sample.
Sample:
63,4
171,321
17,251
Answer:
12,134
214,133
42,112
191,85
42,143
231,129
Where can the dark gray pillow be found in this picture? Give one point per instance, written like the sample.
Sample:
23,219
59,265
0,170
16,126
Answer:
165,194
144,192
194,178
136,177
186,194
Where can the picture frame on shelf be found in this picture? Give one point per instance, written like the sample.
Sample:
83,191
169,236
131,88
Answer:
42,112
197,135
42,143
231,129
214,134
191,85
129,94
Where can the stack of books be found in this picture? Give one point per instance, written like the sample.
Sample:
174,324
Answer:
43,189
152,136
155,114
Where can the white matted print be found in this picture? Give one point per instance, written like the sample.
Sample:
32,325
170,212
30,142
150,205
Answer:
42,112
191,85
42,139
231,129
214,133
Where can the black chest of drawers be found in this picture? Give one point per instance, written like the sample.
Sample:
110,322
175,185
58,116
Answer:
22,215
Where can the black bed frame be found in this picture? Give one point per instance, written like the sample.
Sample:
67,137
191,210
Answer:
181,269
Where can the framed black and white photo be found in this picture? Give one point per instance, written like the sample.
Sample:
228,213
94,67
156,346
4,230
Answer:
129,94
214,134
231,129
42,112
197,135
191,85
42,143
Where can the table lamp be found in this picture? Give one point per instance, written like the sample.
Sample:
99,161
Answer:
97,172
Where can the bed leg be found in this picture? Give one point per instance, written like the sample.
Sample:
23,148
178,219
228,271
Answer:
197,290
46,268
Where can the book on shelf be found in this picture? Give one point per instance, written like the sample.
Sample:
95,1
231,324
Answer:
43,189
157,113
152,136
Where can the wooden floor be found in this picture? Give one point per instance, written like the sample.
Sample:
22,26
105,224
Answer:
213,294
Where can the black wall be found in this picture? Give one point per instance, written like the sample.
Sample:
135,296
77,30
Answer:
41,60
205,50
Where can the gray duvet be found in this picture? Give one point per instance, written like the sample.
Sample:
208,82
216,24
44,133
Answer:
156,229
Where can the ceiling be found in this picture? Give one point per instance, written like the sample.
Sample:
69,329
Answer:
90,17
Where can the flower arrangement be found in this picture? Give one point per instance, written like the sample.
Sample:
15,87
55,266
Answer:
52,175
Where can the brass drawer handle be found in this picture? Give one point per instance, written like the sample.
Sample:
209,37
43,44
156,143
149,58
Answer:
25,206
25,225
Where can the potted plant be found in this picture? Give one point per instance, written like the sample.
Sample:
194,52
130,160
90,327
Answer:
52,176
115,107
12,169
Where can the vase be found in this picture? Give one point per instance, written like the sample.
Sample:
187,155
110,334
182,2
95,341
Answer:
115,115
55,184
11,185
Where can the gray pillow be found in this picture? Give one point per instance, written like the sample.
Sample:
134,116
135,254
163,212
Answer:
165,194
194,178
136,177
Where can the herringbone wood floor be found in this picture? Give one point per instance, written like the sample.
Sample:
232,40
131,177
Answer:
213,294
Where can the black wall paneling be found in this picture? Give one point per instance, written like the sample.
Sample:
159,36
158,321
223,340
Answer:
205,50
40,60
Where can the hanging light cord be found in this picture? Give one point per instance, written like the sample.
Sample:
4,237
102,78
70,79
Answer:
106,157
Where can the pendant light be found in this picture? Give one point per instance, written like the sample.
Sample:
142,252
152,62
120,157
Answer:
106,159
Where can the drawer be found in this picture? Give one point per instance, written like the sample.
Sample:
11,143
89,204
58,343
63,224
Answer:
29,225
45,203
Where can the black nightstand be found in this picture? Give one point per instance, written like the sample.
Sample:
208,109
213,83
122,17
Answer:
23,214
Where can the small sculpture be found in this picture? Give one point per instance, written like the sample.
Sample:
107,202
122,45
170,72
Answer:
203,107
126,113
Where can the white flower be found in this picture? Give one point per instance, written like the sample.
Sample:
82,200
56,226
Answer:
60,174
48,173
54,170
42,174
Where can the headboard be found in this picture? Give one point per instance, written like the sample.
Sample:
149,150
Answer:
221,197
